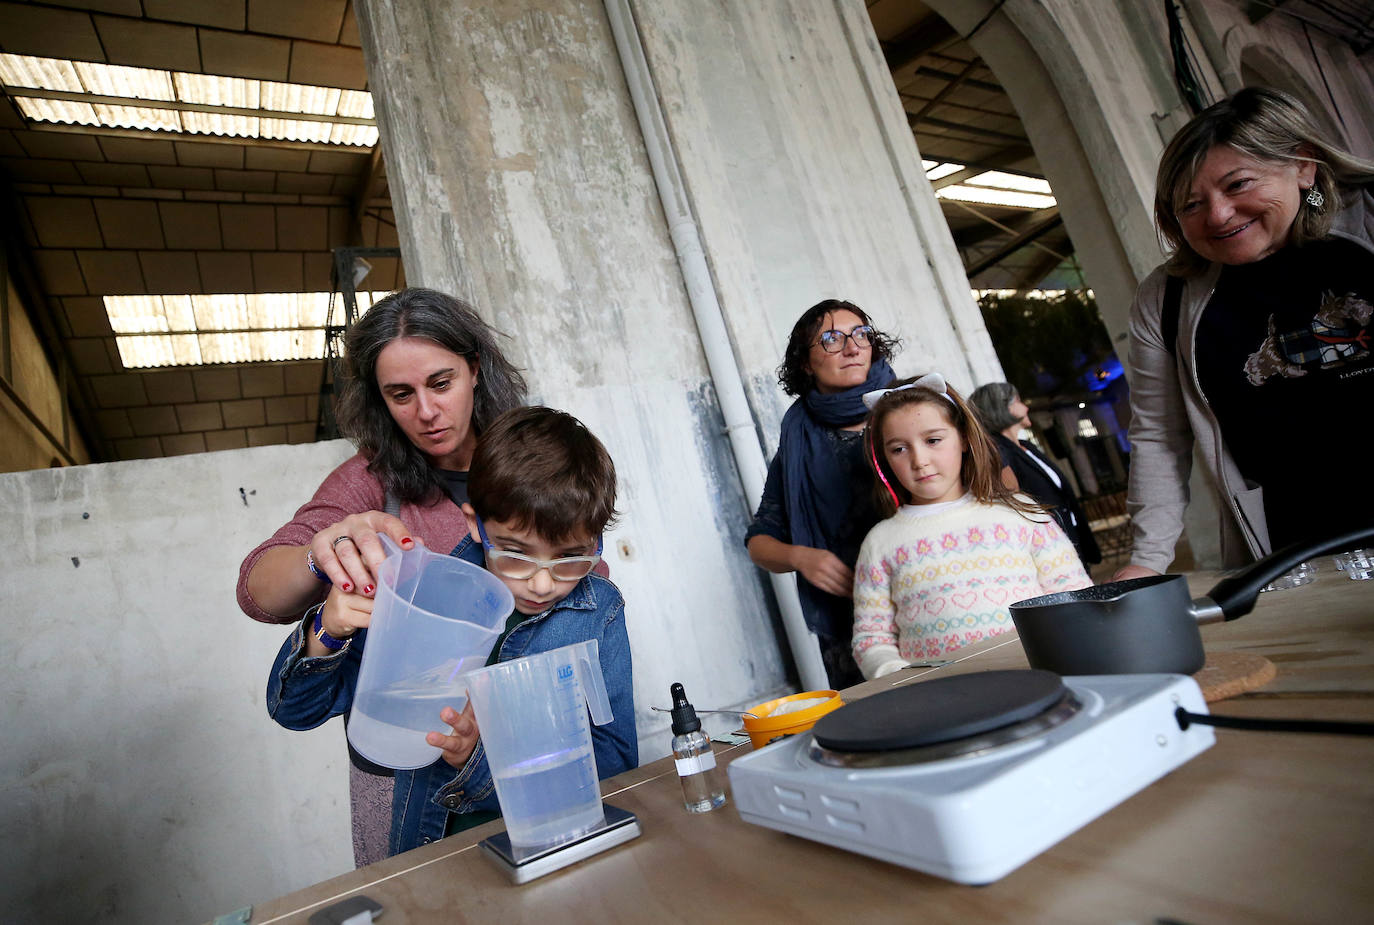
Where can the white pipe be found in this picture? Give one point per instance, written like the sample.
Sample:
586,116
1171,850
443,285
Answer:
715,339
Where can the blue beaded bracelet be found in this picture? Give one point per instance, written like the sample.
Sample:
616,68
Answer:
331,643
315,569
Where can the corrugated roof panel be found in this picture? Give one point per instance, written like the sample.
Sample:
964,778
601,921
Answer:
212,123
57,111
144,351
136,314
357,104
995,197
1000,180
282,97
39,73
139,117
139,83
209,90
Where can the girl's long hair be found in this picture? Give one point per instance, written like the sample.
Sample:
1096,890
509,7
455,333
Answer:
980,467
362,412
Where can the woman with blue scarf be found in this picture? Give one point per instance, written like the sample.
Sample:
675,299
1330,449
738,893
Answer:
817,504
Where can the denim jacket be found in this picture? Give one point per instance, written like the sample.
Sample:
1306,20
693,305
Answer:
304,692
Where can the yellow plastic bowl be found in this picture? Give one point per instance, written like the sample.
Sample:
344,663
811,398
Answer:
763,727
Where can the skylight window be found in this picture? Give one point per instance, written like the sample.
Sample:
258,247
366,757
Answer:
937,171
55,90
992,187
192,330
1012,181
995,197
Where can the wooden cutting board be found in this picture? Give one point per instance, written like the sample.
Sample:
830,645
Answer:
1226,674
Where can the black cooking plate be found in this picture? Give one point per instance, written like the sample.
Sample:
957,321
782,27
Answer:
942,710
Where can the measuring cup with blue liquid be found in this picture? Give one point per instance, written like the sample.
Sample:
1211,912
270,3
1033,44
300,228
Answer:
433,618
532,713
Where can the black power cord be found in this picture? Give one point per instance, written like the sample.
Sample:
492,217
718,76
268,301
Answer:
1330,727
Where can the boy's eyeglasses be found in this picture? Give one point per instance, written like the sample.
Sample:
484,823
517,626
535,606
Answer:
833,341
517,566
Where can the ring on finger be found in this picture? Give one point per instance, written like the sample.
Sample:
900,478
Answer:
339,539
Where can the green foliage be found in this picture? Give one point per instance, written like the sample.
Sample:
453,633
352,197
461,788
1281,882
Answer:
1045,344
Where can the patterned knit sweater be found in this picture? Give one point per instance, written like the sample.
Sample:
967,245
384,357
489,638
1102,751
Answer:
932,578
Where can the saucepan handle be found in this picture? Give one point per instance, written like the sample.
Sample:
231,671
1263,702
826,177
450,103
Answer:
1235,594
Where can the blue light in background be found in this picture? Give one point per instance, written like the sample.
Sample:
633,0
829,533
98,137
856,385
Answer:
1102,375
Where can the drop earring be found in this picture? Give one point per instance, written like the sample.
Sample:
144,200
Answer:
1314,198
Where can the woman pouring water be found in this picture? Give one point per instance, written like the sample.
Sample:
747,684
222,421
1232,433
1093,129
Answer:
424,376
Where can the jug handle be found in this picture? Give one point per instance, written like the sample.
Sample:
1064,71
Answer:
587,664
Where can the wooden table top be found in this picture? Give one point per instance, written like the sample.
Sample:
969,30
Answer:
1263,827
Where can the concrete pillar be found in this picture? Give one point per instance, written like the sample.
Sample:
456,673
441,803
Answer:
807,183
520,180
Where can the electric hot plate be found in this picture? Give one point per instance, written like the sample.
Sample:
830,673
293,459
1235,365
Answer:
970,776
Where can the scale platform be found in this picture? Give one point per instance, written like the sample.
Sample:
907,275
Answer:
971,807
525,864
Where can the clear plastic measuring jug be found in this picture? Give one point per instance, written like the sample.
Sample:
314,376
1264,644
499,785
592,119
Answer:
532,713
433,618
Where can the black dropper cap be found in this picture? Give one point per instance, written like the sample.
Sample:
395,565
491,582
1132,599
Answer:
684,716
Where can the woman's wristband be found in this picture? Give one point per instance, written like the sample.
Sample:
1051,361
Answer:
317,630
315,569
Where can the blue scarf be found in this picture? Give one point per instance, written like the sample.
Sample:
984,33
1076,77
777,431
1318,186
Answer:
812,478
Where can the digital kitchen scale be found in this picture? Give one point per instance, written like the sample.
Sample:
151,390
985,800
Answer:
525,864
970,776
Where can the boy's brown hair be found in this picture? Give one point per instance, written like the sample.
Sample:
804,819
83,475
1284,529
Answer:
541,469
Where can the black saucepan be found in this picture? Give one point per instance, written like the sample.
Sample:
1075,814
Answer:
1146,625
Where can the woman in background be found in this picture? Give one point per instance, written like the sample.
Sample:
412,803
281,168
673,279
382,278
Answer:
1005,415
817,503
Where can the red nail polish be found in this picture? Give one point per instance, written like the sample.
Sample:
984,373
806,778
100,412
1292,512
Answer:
367,589
406,541
348,586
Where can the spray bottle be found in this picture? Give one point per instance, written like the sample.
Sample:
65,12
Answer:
702,790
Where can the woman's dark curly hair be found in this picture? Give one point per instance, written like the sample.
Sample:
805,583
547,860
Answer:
792,374
361,410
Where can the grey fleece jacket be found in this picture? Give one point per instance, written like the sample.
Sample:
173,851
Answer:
1170,416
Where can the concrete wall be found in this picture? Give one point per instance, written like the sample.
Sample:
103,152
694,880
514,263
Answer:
140,778
29,375
807,184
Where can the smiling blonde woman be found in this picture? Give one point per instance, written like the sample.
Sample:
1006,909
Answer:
1253,339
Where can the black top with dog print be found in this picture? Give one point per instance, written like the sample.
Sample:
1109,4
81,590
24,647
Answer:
1284,359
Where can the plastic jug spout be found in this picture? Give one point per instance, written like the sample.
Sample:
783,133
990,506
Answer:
390,546
587,664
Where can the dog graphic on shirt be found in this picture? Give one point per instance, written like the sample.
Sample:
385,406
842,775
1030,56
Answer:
1337,334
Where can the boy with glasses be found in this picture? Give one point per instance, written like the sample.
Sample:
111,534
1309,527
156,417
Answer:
541,491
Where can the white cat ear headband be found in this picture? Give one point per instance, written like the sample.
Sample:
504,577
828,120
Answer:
933,381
